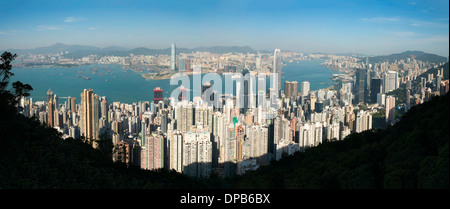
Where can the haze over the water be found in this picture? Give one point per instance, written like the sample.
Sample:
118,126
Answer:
368,27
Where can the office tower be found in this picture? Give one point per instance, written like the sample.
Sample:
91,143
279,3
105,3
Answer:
318,106
157,95
56,101
277,68
291,89
273,98
312,99
261,91
89,115
173,58
238,101
104,108
385,88
393,80
252,91
390,81
381,99
390,109
164,121
294,88
287,89
375,88
360,85
69,101
49,95
182,65
73,104
247,86
51,113
305,88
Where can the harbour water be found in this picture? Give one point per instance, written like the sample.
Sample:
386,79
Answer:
119,84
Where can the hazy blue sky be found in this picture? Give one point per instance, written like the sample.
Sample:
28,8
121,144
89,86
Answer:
363,26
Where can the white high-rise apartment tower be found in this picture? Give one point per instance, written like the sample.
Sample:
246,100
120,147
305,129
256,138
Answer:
305,88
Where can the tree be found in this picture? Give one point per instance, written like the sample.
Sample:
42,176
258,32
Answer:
5,69
19,89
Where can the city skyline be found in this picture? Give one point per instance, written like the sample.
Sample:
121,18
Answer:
372,28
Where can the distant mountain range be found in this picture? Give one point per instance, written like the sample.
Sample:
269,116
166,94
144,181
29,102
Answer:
78,51
418,55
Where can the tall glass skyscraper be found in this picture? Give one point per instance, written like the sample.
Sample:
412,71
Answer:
173,58
277,68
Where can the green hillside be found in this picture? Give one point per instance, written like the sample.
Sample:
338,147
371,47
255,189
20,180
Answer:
418,55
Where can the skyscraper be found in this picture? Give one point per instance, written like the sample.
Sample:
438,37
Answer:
51,113
291,89
89,115
375,88
155,152
182,65
390,109
104,108
176,151
277,65
72,104
287,89
360,85
157,95
197,154
390,81
393,80
247,86
363,121
49,95
173,58
305,88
